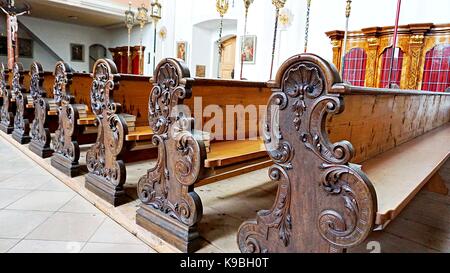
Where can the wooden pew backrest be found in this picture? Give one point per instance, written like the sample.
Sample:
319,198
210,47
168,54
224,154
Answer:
377,121
253,96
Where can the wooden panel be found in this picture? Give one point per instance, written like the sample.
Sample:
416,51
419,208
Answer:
140,134
90,120
231,152
232,93
399,174
49,81
81,88
377,123
133,95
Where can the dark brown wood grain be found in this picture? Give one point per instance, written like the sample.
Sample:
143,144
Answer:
324,203
171,208
8,105
40,131
24,116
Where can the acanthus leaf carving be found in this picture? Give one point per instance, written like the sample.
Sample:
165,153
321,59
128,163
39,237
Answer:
344,205
168,187
106,168
40,134
64,141
21,122
7,109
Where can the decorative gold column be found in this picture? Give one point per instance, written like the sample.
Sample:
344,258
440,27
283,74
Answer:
371,66
416,43
373,43
336,42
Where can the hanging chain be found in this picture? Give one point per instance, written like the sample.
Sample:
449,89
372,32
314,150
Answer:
308,10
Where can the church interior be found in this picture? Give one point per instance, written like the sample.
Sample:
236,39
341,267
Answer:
224,126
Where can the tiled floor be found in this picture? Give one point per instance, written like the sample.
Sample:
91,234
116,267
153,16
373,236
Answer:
38,213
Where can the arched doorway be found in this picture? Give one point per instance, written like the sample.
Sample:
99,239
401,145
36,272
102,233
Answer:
96,52
228,58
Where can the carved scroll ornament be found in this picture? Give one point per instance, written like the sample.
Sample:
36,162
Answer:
323,204
6,115
64,141
104,157
40,134
168,189
21,122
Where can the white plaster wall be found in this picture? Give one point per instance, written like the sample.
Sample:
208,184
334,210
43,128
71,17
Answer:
326,15
39,53
181,18
59,36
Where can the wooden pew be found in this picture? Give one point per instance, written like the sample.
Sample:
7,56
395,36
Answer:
324,202
73,111
170,207
45,121
122,136
24,112
3,84
8,105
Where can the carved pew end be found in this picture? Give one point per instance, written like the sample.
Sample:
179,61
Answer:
42,151
66,165
39,131
114,196
22,136
7,129
185,238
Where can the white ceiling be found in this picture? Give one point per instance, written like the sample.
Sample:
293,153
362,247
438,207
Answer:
97,13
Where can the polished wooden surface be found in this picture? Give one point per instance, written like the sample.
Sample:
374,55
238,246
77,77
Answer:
231,152
140,134
382,121
399,174
401,138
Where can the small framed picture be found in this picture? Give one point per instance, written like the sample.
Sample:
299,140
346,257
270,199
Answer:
3,46
182,50
76,53
25,48
248,49
200,71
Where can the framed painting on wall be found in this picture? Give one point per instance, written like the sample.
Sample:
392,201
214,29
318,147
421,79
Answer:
248,49
182,50
25,48
76,53
3,46
200,71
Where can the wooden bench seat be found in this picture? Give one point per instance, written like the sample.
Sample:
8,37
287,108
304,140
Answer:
89,120
140,134
231,152
399,174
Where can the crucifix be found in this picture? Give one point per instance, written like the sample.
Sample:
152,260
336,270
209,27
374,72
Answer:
12,12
